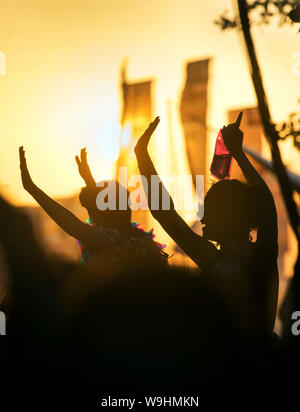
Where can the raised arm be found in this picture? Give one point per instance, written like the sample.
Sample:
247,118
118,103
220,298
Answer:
202,252
267,233
63,217
84,168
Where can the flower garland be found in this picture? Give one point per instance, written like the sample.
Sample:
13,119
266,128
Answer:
148,232
85,255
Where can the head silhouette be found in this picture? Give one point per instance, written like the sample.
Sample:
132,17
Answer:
103,203
231,211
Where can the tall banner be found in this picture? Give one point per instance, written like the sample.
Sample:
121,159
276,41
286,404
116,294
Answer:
135,118
193,110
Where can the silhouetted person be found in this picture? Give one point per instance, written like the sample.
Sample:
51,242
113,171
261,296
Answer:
111,237
31,359
244,272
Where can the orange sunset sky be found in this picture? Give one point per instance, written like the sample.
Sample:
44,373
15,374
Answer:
61,88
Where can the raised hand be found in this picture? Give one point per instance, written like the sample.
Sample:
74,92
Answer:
145,138
26,179
63,217
84,169
233,136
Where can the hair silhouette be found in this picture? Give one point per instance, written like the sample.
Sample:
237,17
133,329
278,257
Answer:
107,217
231,209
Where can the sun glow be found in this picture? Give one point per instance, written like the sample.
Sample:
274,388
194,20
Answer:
109,139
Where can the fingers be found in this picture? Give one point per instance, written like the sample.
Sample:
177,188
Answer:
234,125
154,123
83,155
145,138
238,120
22,154
23,163
152,126
78,161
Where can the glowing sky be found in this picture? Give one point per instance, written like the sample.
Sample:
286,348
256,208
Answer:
61,89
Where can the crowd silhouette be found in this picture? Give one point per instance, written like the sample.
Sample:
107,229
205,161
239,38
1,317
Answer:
126,318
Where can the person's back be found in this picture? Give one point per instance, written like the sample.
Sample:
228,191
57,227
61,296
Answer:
111,237
249,284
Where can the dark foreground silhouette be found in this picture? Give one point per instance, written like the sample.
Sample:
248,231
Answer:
150,329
